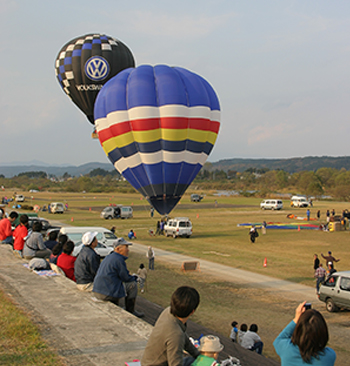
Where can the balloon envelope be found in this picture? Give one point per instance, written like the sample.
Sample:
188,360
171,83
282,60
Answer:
158,125
86,63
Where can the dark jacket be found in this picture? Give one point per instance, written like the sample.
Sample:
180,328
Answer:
86,266
111,275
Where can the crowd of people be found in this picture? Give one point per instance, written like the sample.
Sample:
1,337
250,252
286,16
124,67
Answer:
322,273
303,341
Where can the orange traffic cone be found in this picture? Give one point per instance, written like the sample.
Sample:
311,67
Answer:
299,228
72,219
265,262
197,216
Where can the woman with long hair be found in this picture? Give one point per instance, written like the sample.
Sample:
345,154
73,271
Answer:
303,341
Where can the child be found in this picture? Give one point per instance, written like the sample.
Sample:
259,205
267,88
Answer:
131,235
234,332
142,273
209,348
242,332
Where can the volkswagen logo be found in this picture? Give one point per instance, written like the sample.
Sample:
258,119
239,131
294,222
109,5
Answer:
96,68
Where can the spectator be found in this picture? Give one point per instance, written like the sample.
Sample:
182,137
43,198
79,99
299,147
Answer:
142,273
150,256
253,234
320,275
34,245
304,340
131,235
252,341
52,241
316,262
209,347
6,228
20,235
330,258
161,227
113,229
57,249
234,331
331,270
87,262
113,280
242,331
308,214
158,228
168,339
66,260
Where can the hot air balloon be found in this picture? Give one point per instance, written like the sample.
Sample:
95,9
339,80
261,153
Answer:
157,126
86,63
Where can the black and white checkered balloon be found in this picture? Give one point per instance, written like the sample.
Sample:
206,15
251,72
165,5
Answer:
86,63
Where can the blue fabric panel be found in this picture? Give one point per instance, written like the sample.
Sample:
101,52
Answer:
112,97
62,69
76,53
214,100
170,88
129,176
140,173
172,171
114,155
186,172
154,173
96,40
67,60
141,87
87,46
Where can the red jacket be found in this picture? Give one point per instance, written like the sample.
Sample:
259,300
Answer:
5,229
19,234
66,262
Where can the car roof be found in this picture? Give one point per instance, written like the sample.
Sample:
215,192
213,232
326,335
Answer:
78,229
341,273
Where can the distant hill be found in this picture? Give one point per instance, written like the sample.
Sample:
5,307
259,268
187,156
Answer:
291,165
58,171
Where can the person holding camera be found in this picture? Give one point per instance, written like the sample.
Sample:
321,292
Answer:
303,341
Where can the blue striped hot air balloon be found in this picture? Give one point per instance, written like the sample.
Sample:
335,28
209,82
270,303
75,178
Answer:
157,126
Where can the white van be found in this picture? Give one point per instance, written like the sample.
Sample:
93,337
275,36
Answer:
75,234
57,207
110,212
271,205
299,201
179,226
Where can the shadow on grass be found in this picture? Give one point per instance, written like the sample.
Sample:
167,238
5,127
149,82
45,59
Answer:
298,279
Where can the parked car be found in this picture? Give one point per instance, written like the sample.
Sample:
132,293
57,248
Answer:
335,291
299,201
45,223
111,212
271,205
179,226
57,207
196,197
75,233
19,198
101,249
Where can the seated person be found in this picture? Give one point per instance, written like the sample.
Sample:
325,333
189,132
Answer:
6,228
242,331
20,235
34,245
234,331
58,248
252,341
87,263
52,240
131,235
66,260
209,347
169,340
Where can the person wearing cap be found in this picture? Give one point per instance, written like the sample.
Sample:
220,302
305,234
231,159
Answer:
87,262
209,347
113,280
169,340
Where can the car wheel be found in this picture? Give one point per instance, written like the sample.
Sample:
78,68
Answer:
109,217
330,306
166,234
174,235
187,236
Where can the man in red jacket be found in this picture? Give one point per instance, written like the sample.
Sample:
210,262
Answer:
6,228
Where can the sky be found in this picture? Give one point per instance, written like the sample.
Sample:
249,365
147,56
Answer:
280,69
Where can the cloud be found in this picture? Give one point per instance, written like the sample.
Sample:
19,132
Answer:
177,26
268,132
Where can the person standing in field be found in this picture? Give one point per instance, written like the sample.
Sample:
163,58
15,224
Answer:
320,275
330,258
316,262
150,255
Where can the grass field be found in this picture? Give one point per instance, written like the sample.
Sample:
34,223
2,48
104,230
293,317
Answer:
217,238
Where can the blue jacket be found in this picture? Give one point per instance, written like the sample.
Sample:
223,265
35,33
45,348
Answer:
290,354
111,275
86,266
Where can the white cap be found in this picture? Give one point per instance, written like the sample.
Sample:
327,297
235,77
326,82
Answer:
210,343
89,237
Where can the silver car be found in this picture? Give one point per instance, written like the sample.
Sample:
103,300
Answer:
335,291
